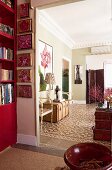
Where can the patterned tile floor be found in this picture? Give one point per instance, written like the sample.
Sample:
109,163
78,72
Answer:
75,128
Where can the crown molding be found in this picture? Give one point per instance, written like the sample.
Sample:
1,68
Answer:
46,21
93,44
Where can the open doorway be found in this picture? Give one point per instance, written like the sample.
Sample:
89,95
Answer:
66,77
54,131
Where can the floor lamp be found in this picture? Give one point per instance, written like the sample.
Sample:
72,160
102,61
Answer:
49,79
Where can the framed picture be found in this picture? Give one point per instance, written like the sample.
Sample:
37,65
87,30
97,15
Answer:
24,76
25,25
24,60
45,63
24,91
78,74
24,10
24,41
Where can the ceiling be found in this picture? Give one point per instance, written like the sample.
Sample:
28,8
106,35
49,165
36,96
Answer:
87,23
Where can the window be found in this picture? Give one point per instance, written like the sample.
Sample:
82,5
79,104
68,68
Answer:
108,75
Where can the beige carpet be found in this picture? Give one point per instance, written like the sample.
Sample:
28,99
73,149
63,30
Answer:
18,159
76,127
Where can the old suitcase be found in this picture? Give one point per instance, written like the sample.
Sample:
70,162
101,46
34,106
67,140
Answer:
103,115
57,112
101,134
103,124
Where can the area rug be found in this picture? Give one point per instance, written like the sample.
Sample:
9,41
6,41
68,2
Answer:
76,127
63,168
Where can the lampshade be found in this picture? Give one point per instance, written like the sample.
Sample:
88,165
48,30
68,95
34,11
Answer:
49,78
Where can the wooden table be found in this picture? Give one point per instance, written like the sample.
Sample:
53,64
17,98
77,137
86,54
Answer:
60,110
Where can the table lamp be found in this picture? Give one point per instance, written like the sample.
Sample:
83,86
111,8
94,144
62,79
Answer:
49,79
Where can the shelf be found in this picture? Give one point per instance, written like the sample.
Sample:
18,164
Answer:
7,81
6,60
5,10
8,104
4,35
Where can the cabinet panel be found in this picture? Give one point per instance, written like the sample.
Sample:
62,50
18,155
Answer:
103,125
7,125
8,50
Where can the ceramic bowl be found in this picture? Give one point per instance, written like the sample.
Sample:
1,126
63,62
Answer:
87,152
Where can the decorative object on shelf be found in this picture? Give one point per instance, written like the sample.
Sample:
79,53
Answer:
24,75
8,3
24,91
45,62
57,89
78,74
7,29
24,60
6,53
25,25
24,10
24,41
49,79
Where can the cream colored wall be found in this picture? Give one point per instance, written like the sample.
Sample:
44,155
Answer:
26,121
60,50
79,58
95,62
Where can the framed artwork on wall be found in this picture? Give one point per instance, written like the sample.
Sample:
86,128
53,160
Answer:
24,41
24,91
25,25
45,63
24,76
78,70
24,10
24,60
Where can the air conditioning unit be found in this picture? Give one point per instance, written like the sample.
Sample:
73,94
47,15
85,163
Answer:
107,49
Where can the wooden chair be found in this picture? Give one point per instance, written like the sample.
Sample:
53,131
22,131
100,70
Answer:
44,111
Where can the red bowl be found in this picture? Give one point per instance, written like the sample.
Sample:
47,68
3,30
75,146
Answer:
86,152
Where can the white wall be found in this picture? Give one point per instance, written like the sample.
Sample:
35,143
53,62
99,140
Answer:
97,61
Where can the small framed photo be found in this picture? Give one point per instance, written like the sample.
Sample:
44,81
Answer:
78,71
24,91
24,60
24,76
24,41
25,25
24,10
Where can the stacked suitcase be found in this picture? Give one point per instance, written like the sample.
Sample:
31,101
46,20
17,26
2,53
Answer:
103,125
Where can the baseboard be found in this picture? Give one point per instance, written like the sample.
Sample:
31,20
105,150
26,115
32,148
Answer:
27,139
80,101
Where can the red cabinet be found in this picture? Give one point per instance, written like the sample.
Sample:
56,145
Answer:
8,118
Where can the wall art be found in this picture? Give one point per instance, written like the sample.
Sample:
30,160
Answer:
24,10
45,63
25,25
24,41
24,75
24,91
78,74
24,60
